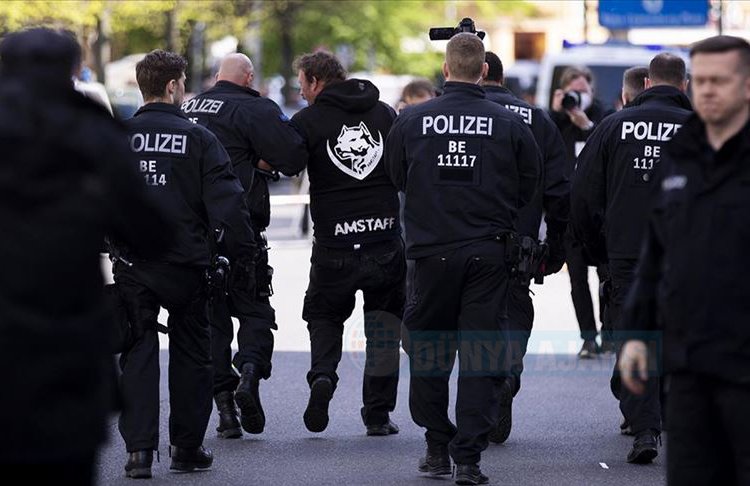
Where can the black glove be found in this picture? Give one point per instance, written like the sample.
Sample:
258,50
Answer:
555,254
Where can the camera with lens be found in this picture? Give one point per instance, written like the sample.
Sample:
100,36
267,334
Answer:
576,99
445,33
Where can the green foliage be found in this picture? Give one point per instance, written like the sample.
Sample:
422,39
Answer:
373,31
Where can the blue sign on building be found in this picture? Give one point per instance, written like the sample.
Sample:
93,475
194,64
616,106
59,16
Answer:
628,14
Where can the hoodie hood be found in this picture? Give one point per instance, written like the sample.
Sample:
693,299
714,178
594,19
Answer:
352,95
665,95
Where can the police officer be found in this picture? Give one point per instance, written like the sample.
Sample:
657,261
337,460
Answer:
575,124
691,283
633,83
252,130
186,169
465,165
357,243
552,199
610,197
59,196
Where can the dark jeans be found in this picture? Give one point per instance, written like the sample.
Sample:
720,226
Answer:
378,271
641,411
145,287
709,431
520,321
578,271
456,302
254,337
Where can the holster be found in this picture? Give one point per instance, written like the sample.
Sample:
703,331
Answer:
525,257
263,271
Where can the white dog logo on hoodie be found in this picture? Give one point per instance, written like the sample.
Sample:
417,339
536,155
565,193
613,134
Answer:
356,152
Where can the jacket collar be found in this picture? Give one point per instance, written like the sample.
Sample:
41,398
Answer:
232,87
665,95
466,88
161,108
692,139
497,89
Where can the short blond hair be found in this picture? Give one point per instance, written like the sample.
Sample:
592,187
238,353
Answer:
465,56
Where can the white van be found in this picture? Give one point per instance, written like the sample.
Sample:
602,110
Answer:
607,62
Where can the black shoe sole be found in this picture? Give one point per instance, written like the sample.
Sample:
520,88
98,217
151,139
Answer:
436,470
316,414
505,420
139,473
646,456
252,417
187,466
472,480
380,432
233,433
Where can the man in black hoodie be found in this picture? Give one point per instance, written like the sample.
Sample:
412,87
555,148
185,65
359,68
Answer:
610,196
357,243
552,199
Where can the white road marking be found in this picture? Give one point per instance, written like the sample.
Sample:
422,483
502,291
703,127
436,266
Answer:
604,465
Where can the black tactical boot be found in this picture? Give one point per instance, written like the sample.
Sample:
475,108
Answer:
589,350
139,464
229,425
387,428
644,447
501,432
316,413
470,474
436,461
189,459
247,397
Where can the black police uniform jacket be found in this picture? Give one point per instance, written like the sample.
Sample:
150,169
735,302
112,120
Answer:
466,165
66,179
352,201
190,175
553,193
250,128
692,279
574,137
615,171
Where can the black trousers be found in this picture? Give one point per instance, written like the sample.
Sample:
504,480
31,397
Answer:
254,337
578,271
145,287
709,431
641,411
520,321
378,270
456,302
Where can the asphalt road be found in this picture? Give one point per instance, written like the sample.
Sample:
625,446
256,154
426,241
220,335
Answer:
565,432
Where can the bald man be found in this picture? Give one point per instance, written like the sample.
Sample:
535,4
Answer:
252,130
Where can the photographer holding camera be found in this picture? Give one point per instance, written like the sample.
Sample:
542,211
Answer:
576,112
